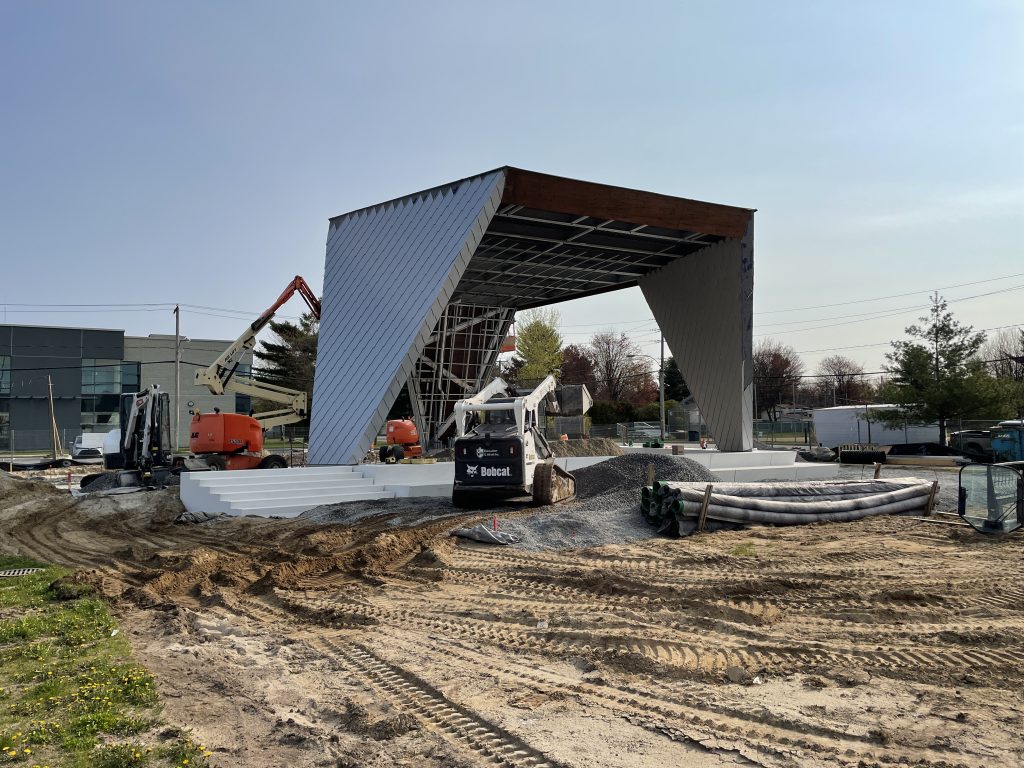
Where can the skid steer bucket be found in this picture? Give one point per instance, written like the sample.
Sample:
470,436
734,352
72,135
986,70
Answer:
552,484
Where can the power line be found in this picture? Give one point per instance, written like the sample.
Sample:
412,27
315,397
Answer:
886,343
893,313
892,296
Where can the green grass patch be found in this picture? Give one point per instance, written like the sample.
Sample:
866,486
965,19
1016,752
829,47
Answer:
743,550
70,694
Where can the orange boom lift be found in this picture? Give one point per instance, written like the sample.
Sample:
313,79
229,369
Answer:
233,440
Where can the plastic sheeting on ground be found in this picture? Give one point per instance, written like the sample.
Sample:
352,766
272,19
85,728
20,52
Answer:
485,535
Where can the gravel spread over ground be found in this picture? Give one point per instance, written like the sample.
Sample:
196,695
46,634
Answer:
607,505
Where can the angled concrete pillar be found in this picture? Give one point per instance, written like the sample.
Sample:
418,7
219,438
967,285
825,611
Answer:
704,306
389,273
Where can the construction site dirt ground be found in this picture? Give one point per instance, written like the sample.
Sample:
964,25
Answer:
387,642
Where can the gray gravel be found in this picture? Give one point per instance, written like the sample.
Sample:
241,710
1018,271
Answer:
629,472
109,480
607,505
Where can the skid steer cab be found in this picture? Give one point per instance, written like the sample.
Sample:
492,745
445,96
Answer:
991,498
501,452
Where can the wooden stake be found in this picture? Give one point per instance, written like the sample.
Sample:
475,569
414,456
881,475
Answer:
878,469
57,447
932,495
704,509
650,474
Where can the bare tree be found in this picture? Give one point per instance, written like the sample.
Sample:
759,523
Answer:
777,371
620,370
578,366
1003,353
841,381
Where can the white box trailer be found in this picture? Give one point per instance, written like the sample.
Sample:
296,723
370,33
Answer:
845,424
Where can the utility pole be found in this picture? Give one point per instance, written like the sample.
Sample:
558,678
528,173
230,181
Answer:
661,387
177,369
57,447
942,420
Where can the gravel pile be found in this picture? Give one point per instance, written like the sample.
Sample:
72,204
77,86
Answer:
607,505
109,480
629,472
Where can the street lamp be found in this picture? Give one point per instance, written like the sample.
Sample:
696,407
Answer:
661,384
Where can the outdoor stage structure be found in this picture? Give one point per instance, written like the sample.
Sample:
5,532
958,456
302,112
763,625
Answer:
422,290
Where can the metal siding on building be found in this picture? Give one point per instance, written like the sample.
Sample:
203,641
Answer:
694,301
105,345
390,271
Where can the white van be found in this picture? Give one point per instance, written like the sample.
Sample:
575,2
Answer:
88,446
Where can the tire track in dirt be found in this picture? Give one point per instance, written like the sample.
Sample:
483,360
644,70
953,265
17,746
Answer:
757,730
703,653
460,726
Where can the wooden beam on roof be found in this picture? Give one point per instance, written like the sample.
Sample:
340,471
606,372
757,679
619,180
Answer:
555,193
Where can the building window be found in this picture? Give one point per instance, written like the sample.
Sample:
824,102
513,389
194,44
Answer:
101,394
5,423
5,375
101,377
130,378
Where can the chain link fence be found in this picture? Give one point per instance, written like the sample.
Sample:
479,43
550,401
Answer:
34,442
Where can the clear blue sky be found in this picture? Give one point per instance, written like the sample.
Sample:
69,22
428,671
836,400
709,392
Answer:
192,152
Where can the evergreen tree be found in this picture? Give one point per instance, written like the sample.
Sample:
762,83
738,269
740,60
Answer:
538,344
937,375
288,360
675,386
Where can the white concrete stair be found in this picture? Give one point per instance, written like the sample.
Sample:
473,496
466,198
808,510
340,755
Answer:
290,492
277,492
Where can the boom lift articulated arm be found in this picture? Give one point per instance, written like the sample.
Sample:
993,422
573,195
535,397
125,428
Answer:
219,377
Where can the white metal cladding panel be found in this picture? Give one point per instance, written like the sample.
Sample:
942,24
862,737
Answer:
389,272
700,304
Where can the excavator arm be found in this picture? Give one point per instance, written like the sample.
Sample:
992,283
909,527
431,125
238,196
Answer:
219,376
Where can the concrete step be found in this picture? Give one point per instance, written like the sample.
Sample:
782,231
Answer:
287,494
310,501
255,475
259,476
277,485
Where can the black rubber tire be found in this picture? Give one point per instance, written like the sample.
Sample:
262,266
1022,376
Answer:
383,453
542,485
65,463
273,461
462,499
862,457
217,463
398,452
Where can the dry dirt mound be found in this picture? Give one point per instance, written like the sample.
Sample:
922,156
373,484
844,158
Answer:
594,446
14,490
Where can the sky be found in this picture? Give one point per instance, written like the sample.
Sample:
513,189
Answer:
192,152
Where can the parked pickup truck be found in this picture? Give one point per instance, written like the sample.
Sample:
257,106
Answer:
977,441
